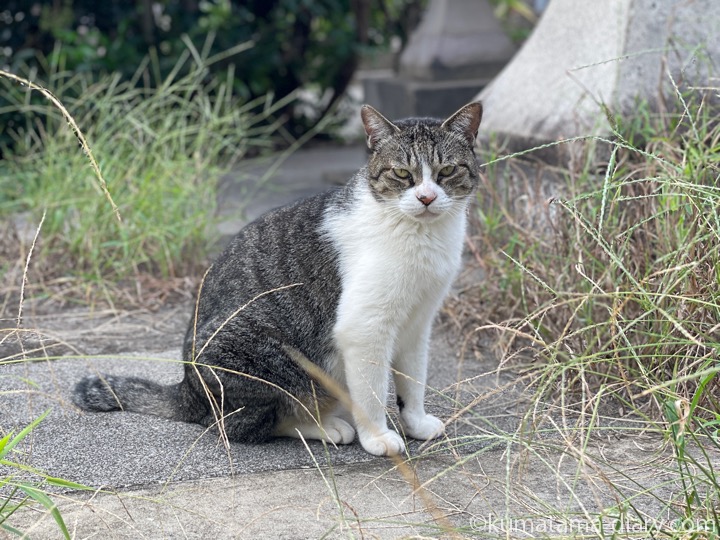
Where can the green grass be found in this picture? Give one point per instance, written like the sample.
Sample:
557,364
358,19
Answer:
160,151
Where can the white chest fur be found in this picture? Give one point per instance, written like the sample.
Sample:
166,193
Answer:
392,266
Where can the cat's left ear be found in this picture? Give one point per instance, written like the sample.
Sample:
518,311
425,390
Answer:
466,121
377,127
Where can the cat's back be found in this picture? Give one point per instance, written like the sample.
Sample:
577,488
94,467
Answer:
284,242
283,267
287,230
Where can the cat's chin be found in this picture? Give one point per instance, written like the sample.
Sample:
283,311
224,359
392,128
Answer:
426,216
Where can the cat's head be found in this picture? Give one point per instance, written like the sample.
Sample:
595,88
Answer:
424,168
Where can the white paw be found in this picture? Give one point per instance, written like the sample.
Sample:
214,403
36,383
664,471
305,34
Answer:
389,443
338,430
422,427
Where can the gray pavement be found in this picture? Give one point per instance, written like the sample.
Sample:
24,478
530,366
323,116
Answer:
120,450
154,478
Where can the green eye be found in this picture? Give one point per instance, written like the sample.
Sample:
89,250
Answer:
447,170
401,173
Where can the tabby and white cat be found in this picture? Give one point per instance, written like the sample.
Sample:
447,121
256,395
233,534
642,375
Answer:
370,264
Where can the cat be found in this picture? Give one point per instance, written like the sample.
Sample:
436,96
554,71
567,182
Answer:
349,280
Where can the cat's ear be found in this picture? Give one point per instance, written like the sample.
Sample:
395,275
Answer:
466,121
377,127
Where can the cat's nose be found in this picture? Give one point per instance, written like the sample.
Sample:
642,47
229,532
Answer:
426,198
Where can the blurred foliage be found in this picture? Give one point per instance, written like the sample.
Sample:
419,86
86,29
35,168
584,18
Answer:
518,17
312,45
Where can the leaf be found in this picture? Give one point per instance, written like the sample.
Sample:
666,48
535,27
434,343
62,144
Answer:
47,502
677,413
7,446
67,484
12,530
3,442
701,389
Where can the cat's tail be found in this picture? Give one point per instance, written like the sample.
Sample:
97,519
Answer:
132,394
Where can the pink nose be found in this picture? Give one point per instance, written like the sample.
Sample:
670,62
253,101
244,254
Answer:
426,198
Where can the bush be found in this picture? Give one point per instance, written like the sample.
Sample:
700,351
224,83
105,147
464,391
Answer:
607,299
311,44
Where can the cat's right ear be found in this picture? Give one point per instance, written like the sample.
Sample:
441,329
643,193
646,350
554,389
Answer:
377,127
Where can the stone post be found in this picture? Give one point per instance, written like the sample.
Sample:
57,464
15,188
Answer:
585,55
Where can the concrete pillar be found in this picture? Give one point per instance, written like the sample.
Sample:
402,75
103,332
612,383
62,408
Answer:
587,54
456,50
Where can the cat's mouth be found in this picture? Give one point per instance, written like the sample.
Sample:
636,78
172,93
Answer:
426,215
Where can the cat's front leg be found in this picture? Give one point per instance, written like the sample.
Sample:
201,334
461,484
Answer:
410,374
367,367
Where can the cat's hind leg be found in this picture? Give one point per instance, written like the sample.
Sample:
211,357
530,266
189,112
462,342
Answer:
331,428
247,424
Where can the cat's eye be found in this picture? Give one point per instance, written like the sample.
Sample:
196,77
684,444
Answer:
447,170
402,173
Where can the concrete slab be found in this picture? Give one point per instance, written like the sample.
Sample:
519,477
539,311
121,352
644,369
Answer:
495,493
456,49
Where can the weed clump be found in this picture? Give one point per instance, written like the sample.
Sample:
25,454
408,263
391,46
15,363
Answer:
161,149
615,283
